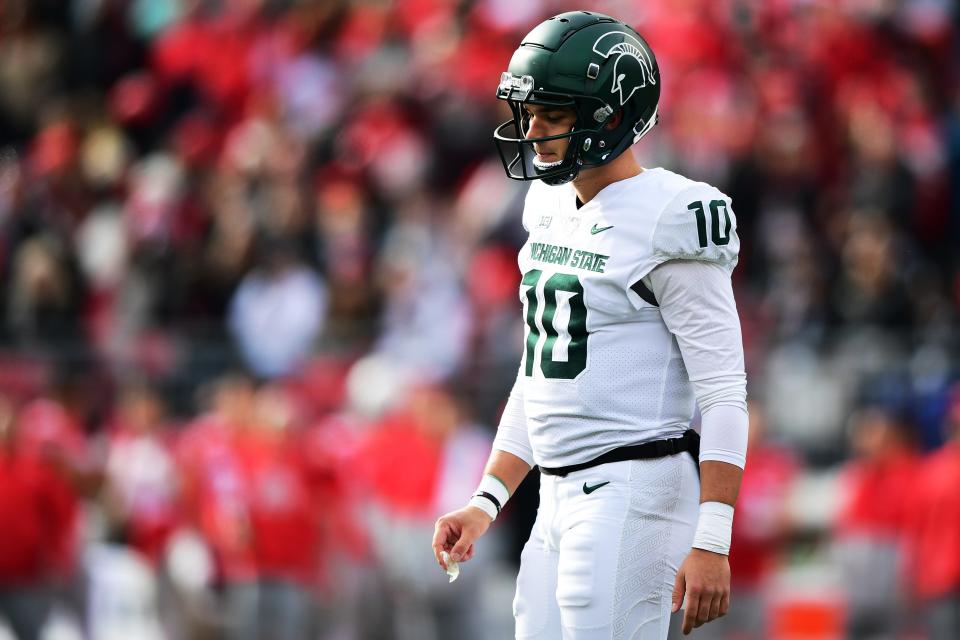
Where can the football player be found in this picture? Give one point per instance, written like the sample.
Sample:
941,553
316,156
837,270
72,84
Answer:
630,321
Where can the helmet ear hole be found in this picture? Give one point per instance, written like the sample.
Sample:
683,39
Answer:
614,120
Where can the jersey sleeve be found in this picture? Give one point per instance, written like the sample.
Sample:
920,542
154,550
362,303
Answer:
512,435
697,224
698,307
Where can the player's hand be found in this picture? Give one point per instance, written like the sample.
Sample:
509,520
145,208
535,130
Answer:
704,581
456,532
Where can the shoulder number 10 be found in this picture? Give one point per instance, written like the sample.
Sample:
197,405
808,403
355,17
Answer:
718,237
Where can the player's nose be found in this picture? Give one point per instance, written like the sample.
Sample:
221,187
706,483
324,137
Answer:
535,129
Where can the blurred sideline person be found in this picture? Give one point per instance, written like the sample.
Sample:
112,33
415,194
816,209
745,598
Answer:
877,487
416,464
50,433
935,529
278,310
35,513
140,494
631,322
214,500
141,503
283,523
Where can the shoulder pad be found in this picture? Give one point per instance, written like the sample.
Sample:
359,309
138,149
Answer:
697,224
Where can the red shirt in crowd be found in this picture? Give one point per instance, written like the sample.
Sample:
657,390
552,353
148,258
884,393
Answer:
214,495
283,516
142,470
401,465
35,511
878,496
49,438
935,524
330,450
758,529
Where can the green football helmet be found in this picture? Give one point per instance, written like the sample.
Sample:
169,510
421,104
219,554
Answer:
592,63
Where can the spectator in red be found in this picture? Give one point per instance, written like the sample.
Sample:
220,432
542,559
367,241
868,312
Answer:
415,462
141,472
330,450
284,530
877,487
35,511
49,436
213,53
212,477
936,527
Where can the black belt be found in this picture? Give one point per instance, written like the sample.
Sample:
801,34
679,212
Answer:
690,442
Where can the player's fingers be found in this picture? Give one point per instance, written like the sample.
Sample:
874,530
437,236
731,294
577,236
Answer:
725,603
679,586
464,542
703,608
438,534
690,614
441,536
715,607
468,554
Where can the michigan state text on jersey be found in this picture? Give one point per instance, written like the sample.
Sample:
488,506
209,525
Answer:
630,324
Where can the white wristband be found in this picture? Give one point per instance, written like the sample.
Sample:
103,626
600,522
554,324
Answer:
714,528
491,496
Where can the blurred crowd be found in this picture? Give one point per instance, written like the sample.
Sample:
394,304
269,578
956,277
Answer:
260,312
254,519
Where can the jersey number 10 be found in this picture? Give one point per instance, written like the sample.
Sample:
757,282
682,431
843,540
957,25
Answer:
719,237
560,331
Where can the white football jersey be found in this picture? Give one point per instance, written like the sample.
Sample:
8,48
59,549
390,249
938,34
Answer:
600,370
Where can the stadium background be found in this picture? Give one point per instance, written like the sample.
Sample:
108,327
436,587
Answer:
259,309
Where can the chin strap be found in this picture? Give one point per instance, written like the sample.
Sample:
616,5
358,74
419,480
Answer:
643,128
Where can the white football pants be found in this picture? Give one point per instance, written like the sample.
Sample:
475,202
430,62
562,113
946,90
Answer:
605,549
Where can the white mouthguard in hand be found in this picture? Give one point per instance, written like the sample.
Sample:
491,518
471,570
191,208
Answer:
453,568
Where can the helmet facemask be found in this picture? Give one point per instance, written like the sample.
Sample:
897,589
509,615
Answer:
517,151
591,143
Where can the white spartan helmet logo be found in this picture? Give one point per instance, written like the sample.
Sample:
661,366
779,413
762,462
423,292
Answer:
632,69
